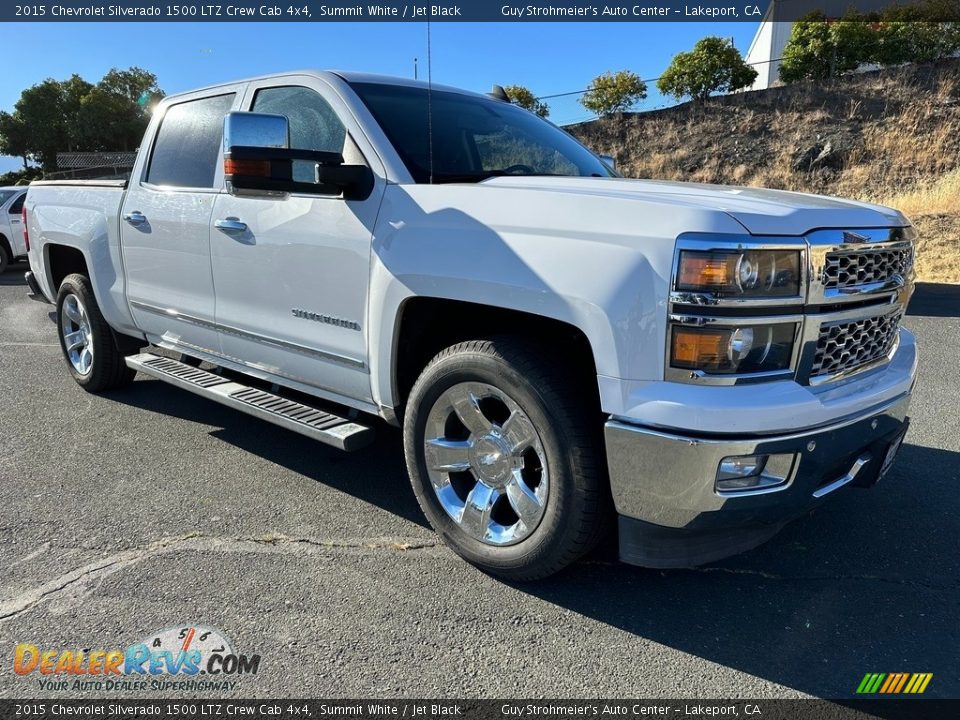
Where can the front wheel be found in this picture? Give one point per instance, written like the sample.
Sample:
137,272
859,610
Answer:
503,453
86,340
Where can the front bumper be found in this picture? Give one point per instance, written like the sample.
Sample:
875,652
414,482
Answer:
671,514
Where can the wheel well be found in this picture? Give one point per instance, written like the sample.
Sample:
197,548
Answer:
62,261
6,245
428,325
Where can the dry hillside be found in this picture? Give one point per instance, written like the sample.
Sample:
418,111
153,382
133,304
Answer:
891,136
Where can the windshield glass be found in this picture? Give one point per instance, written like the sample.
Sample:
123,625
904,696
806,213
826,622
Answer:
6,195
474,138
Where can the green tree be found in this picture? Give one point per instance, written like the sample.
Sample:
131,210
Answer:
714,65
56,116
819,48
41,111
522,96
614,92
13,137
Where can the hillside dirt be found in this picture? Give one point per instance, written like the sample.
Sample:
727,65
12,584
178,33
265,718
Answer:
889,136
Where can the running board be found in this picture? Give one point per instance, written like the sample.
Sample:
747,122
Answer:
317,424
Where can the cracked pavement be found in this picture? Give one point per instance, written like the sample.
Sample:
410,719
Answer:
150,508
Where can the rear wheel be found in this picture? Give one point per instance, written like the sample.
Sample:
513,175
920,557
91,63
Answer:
86,340
502,451
4,256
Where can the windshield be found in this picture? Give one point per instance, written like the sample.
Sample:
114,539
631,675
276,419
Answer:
474,138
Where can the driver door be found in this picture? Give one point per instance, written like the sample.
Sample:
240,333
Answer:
291,271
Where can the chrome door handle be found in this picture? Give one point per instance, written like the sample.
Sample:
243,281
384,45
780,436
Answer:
135,218
230,225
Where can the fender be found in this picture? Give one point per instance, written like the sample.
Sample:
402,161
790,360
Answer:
92,232
533,251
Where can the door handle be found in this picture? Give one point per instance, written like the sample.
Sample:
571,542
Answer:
135,218
230,225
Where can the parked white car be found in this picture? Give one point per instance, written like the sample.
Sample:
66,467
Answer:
568,352
12,245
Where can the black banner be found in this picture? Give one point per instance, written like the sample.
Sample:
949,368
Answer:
451,10
212,709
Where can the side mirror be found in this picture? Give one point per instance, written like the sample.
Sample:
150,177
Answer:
609,161
256,156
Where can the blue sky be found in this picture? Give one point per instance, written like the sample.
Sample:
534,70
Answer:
546,57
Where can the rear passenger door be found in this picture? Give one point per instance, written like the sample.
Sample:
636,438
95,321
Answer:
165,223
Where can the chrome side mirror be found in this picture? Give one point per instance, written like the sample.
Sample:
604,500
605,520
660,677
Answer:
246,129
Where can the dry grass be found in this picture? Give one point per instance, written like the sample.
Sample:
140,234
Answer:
938,197
894,138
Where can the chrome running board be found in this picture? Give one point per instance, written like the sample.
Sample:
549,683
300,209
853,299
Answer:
331,429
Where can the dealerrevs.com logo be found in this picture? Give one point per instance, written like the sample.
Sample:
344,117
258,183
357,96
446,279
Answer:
189,657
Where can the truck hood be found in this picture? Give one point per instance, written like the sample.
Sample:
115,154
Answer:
761,212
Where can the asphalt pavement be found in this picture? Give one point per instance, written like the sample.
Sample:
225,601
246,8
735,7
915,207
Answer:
150,508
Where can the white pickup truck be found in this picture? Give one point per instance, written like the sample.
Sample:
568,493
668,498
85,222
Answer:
12,245
568,352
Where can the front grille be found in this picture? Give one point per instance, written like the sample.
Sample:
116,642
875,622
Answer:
844,269
848,345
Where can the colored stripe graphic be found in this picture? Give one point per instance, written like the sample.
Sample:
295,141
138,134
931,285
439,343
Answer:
894,683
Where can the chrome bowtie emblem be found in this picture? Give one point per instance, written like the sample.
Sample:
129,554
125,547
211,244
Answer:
852,237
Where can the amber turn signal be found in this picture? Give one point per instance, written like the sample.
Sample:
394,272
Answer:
260,168
738,349
698,348
740,273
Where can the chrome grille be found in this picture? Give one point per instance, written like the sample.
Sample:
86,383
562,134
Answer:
842,347
844,269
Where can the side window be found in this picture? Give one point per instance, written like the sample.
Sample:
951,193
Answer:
313,123
17,206
188,142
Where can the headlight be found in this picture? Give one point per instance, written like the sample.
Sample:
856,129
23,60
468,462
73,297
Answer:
740,273
733,350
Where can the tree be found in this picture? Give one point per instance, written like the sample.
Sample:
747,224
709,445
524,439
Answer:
41,111
915,33
61,115
13,137
614,92
522,96
819,48
714,65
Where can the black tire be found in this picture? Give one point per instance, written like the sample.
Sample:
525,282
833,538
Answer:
570,432
107,370
5,258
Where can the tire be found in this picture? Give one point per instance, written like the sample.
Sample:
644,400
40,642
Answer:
4,256
552,489
92,356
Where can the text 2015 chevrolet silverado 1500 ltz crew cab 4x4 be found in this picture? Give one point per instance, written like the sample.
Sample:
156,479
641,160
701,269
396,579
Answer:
566,351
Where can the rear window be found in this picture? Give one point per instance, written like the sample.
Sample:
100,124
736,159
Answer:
17,205
188,143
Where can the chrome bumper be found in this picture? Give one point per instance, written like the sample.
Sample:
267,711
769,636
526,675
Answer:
671,514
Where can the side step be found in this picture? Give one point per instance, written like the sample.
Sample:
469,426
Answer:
317,424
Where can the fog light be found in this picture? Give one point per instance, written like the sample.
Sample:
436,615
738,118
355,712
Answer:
739,467
751,473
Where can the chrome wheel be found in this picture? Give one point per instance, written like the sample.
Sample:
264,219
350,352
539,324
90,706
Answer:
486,463
77,334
